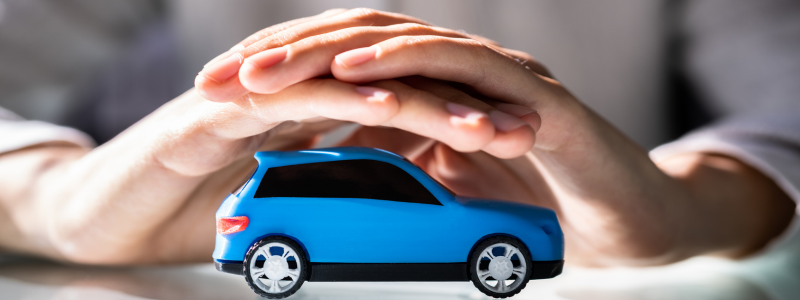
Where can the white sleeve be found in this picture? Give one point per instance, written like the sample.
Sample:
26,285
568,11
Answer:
17,133
769,143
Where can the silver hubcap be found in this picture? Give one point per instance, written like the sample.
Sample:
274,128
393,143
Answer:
271,277
497,277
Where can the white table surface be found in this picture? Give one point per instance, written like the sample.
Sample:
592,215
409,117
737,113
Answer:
701,278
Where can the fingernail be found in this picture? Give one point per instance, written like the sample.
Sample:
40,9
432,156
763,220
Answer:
524,113
223,69
464,115
268,58
373,94
356,56
515,110
217,58
505,122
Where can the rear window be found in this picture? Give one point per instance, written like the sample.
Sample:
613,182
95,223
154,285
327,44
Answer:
240,187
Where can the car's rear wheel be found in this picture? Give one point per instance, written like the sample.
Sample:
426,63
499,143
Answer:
275,267
500,266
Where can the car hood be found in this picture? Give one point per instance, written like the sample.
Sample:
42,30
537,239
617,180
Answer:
526,211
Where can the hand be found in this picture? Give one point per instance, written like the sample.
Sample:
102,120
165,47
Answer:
616,206
149,195
511,135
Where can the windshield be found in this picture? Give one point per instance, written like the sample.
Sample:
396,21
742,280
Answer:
431,177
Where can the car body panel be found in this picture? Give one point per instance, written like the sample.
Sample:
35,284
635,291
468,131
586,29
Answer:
352,230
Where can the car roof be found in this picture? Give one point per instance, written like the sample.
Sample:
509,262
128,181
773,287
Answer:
285,158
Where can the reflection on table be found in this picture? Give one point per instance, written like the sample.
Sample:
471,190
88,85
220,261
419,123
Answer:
701,278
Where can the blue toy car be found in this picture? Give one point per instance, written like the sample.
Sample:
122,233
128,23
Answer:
364,214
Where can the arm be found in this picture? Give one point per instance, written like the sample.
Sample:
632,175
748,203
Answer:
26,174
149,195
616,205
738,205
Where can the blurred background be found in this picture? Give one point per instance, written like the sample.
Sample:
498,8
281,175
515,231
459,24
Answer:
655,69
100,66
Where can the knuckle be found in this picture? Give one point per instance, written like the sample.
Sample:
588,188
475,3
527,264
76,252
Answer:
420,42
321,85
478,50
364,14
342,34
413,27
334,11
527,57
477,46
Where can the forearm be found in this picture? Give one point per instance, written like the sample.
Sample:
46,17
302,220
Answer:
605,182
733,209
698,204
27,176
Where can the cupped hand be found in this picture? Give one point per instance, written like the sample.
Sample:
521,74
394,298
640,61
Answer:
596,175
288,53
615,204
149,195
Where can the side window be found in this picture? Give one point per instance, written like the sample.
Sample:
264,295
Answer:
368,179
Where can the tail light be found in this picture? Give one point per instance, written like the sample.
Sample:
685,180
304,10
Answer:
231,224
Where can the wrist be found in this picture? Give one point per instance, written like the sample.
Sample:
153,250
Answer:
734,209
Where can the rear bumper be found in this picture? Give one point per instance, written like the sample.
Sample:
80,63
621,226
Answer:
232,267
393,272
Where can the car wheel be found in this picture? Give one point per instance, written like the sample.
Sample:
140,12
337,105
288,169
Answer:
275,267
500,266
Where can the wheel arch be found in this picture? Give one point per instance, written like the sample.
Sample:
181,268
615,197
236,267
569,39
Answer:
303,246
483,238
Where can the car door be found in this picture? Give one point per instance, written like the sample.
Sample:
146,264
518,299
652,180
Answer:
361,211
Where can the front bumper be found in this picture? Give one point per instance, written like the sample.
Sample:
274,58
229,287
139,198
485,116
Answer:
547,269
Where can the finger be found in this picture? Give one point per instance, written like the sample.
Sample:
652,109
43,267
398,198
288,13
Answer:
514,136
462,127
523,58
266,32
482,39
455,170
208,135
272,70
466,174
326,98
352,18
212,82
527,61
213,89
388,103
457,173
467,61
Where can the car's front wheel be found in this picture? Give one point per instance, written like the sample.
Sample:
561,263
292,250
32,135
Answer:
275,267
500,266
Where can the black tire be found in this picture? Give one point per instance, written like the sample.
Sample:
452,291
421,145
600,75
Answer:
251,263
522,257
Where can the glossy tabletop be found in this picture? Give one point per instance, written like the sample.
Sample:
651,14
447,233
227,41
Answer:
775,277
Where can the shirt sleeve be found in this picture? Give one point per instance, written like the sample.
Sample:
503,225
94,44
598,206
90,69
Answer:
18,133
